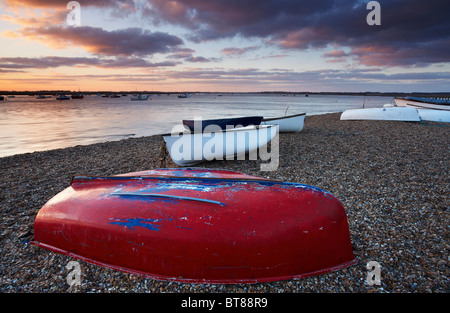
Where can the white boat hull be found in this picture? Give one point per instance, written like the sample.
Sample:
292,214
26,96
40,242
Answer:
287,124
382,114
188,148
420,105
434,115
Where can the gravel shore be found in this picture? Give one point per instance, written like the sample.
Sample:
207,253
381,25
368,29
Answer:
391,177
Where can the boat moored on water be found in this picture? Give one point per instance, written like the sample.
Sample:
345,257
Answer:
287,124
139,97
62,97
77,96
198,226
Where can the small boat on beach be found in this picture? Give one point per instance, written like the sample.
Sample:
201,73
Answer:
429,115
287,124
62,97
222,123
434,115
188,148
382,114
424,103
198,226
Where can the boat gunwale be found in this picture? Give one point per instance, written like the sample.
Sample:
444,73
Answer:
257,180
169,177
226,119
245,128
197,280
283,117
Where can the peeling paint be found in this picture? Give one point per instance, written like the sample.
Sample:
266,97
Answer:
150,223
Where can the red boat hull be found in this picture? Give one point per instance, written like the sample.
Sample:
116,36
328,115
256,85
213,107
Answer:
225,228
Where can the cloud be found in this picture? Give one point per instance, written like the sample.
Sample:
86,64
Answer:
122,42
233,51
409,31
55,61
56,4
187,55
336,56
195,59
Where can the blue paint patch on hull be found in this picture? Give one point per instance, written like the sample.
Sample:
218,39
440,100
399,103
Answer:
131,223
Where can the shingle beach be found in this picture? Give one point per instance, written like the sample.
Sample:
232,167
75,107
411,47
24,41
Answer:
391,177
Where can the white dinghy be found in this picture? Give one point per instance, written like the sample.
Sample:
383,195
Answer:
434,115
405,114
187,148
429,115
287,124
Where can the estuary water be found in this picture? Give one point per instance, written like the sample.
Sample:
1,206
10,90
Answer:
28,124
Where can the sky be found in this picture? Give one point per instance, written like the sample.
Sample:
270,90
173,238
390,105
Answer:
225,45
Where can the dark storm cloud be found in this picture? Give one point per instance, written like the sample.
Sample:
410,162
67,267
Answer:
412,32
122,42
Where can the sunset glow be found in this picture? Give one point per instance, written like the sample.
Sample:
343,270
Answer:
227,46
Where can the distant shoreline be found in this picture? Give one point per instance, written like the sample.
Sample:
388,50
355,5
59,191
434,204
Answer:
302,93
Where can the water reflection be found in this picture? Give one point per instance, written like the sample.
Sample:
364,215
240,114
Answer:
28,124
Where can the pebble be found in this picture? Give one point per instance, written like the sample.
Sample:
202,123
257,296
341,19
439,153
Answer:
391,177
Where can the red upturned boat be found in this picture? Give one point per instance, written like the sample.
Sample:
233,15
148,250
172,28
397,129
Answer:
198,225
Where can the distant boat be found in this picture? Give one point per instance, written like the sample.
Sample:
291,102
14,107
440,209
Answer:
287,124
218,145
424,103
62,97
42,97
124,95
114,96
382,114
186,95
105,96
77,96
223,123
139,97
2,98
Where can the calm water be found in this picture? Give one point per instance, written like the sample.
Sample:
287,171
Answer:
28,124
